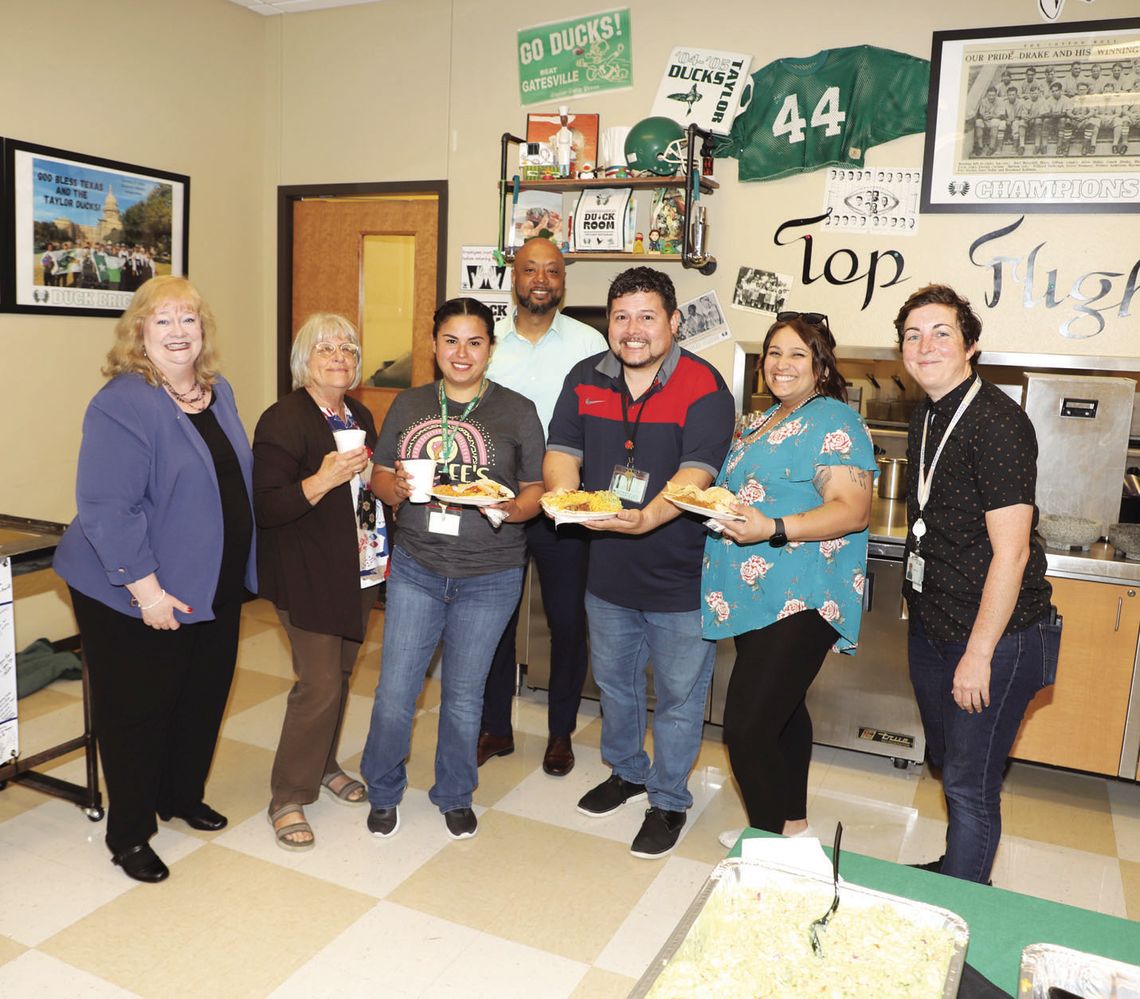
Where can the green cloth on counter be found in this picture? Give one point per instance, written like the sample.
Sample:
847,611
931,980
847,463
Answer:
1002,923
39,664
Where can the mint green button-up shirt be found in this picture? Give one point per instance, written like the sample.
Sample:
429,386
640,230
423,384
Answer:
538,370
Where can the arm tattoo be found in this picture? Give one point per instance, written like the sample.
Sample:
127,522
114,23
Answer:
821,478
858,475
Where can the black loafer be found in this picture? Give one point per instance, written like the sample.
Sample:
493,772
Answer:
201,817
141,863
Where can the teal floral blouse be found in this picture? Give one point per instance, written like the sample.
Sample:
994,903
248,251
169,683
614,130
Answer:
747,587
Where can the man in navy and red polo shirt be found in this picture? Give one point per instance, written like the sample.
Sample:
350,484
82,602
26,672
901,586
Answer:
631,419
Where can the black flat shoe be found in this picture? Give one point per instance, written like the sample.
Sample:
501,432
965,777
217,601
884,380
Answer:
201,817
142,864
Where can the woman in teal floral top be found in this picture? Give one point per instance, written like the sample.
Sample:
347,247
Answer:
787,581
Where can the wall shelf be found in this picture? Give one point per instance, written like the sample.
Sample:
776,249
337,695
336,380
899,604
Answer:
689,255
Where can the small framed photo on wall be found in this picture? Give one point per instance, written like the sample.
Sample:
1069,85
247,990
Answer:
82,233
1034,119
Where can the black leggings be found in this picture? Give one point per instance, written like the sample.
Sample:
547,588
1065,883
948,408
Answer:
766,724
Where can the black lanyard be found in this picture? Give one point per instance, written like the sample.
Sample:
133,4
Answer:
631,435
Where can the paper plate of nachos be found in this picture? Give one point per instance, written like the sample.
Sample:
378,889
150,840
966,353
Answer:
715,502
575,506
482,492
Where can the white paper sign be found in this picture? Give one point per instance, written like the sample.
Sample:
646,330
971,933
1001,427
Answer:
704,86
9,730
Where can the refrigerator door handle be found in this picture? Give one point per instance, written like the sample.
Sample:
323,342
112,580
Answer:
868,590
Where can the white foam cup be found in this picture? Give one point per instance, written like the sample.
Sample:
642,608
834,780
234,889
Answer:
348,440
421,471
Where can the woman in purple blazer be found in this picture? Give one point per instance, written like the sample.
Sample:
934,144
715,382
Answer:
158,561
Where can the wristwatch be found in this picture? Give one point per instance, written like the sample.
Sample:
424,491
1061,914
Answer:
778,538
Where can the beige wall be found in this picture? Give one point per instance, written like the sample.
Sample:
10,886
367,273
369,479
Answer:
173,84
421,90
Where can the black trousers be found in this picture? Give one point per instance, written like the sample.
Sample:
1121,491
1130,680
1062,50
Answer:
560,555
157,699
766,724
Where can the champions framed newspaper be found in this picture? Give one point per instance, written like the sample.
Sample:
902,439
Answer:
82,233
1042,118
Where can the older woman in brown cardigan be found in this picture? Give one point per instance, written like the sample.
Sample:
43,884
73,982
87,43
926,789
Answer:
322,552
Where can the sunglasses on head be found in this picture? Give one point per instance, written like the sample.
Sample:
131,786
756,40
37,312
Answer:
811,318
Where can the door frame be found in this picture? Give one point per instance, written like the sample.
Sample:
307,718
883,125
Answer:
287,196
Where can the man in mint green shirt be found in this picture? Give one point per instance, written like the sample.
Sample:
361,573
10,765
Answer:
534,349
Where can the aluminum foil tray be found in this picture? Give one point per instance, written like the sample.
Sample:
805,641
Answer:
1047,969
738,872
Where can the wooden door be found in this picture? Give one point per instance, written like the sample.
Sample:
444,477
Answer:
327,260
1079,721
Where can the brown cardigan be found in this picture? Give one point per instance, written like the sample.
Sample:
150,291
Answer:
307,559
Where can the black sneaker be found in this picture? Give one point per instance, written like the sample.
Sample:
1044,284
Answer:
461,823
659,833
934,866
609,796
384,822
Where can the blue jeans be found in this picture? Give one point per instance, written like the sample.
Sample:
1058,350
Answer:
622,643
972,748
469,614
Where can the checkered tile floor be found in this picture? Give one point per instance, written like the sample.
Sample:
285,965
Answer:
544,902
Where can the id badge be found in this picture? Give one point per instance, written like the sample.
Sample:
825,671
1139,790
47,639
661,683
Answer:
443,521
629,483
914,569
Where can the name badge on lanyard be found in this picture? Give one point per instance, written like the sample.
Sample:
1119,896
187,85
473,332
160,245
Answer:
444,521
915,564
627,481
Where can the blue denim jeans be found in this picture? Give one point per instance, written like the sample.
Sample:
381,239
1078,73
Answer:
469,614
622,642
972,748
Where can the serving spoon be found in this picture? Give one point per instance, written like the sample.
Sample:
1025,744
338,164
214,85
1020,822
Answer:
820,923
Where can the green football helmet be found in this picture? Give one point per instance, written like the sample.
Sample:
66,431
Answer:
656,145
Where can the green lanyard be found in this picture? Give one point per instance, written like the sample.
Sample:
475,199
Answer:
446,432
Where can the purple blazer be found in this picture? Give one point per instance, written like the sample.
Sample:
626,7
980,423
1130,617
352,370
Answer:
147,496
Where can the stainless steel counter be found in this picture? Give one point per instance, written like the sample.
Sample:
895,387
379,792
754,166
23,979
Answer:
1100,564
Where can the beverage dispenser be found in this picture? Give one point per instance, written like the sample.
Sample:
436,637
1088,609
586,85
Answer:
1082,425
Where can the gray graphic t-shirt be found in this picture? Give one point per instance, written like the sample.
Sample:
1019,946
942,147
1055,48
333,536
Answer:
500,439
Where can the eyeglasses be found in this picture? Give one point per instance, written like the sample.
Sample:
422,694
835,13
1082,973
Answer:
811,318
327,349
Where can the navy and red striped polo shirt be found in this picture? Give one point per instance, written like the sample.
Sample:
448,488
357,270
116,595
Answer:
686,421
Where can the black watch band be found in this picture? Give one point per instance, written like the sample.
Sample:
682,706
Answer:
778,538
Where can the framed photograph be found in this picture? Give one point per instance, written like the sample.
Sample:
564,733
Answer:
3,227
82,233
759,290
1034,119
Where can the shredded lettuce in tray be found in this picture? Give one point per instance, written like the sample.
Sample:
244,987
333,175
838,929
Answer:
754,944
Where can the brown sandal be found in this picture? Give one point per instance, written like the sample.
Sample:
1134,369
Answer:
293,828
352,791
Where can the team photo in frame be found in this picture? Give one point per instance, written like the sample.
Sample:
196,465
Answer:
1039,118
82,233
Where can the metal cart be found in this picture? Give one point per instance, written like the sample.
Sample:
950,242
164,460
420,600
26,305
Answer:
28,545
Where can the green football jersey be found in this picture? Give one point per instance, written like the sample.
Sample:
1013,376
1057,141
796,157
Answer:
827,110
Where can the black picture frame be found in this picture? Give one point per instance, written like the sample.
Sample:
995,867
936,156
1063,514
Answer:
121,224
974,161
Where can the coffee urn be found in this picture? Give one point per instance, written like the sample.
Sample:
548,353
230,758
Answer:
1082,425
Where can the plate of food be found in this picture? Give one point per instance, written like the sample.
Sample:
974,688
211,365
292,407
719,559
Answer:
715,502
481,492
576,506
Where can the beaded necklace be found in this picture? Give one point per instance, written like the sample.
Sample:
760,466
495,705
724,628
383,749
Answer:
754,431
195,399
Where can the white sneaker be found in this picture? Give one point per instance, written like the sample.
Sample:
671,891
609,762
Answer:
728,838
